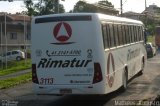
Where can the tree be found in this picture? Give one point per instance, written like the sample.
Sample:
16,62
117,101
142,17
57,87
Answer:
104,7
105,3
151,28
30,7
43,7
61,9
82,6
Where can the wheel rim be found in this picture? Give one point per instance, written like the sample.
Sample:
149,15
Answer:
18,58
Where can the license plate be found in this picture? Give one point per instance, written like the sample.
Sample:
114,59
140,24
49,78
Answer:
65,91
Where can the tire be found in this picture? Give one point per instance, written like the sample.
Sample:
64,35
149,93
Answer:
142,67
155,53
18,58
124,80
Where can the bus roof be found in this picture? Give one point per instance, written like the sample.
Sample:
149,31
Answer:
102,17
118,19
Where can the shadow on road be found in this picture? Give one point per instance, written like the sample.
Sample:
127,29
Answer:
85,100
88,100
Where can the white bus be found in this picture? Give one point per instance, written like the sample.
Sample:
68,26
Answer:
85,53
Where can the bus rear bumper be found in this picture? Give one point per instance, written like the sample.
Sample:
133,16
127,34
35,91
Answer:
47,90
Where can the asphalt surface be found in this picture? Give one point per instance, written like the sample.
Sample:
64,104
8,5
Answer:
145,87
142,88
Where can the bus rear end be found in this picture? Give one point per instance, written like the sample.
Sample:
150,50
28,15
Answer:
64,54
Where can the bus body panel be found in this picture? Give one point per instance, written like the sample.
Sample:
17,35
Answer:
68,52
123,56
64,53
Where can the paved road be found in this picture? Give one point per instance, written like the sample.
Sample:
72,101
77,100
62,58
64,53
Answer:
145,87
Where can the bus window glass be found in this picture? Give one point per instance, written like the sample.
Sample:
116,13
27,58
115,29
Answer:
142,33
120,35
104,35
124,34
139,34
142,37
111,35
107,36
132,33
135,33
116,34
127,34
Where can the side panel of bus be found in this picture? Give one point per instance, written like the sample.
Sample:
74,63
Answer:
120,58
117,59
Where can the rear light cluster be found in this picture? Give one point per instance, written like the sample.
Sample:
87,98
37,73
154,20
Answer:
34,74
97,73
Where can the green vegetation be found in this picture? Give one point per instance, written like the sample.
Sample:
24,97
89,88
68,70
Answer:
82,6
42,7
10,82
151,39
15,66
151,28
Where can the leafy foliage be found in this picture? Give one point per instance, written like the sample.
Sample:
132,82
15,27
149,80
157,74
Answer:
105,3
151,29
43,7
82,6
30,7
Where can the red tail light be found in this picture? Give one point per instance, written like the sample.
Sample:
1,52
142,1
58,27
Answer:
97,73
34,74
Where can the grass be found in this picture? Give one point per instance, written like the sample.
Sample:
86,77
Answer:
15,66
150,39
10,82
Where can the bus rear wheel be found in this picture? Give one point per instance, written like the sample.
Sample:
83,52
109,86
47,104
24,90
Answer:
124,80
142,67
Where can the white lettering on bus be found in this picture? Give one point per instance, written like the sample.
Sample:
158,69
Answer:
133,53
64,53
49,63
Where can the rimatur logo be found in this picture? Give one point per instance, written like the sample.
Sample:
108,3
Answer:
110,70
62,32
